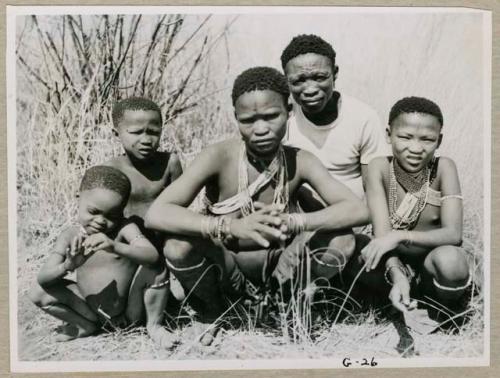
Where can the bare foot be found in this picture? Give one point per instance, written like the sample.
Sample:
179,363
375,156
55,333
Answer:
67,332
161,337
176,288
209,335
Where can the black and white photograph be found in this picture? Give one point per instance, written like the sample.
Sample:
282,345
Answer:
293,187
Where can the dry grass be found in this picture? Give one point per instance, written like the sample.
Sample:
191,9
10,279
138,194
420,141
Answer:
358,332
66,86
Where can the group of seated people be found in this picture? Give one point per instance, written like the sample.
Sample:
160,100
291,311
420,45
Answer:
302,173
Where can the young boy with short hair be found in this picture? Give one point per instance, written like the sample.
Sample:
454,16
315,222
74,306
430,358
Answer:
138,124
105,249
252,232
416,208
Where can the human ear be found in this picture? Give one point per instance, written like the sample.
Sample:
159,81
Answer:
335,72
388,134
440,139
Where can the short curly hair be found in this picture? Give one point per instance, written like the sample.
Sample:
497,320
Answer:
307,43
260,78
133,103
415,105
104,177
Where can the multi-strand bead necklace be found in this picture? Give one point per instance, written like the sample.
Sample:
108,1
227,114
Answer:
416,185
281,190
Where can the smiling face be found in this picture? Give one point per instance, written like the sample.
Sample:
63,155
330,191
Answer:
414,138
262,117
100,210
311,79
140,132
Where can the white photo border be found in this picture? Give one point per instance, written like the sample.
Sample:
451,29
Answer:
169,365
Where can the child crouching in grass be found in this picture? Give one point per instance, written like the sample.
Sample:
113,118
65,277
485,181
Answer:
416,208
138,124
105,249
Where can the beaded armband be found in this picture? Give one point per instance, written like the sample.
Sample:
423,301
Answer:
401,268
136,238
457,196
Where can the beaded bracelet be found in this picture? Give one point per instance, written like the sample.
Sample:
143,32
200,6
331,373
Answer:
220,227
217,229
402,269
136,238
205,227
296,223
209,227
213,227
226,229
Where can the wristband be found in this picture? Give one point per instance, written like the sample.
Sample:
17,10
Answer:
402,269
220,228
296,223
216,228
207,227
224,228
136,238
227,230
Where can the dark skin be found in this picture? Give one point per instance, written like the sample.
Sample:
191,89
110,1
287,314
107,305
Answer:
149,170
311,80
262,117
105,261
434,239
148,179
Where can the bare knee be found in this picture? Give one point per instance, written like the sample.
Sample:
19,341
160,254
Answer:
39,296
448,264
344,243
178,252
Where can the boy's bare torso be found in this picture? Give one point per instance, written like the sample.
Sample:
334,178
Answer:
147,181
104,279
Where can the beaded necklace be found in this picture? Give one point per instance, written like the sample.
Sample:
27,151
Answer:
416,187
281,193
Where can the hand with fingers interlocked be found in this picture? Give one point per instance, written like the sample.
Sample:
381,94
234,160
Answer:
99,242
263,226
